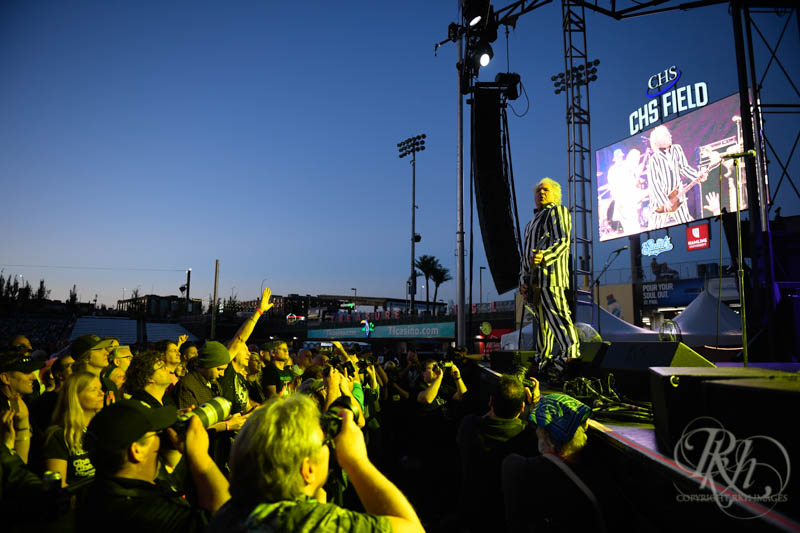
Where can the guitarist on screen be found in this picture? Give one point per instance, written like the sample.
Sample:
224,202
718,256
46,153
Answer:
667,190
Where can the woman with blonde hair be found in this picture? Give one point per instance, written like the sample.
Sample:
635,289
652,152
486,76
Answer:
79,400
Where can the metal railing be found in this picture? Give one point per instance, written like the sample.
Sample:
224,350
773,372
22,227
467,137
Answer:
667,271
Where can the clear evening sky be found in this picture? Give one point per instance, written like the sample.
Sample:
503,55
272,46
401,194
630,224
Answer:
164,135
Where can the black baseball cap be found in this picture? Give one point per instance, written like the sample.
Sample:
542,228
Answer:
84,343
120,424
14,360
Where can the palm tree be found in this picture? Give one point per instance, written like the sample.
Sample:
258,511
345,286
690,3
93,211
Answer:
439,276
427,264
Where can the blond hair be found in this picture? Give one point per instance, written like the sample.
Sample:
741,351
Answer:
554,185
68,413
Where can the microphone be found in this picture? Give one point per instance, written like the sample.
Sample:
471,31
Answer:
618,250
748,153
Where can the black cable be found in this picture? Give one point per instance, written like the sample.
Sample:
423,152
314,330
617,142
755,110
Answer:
606,402
508,54
528,108
98,268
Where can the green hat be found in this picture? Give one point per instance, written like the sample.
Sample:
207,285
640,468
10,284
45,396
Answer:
212,354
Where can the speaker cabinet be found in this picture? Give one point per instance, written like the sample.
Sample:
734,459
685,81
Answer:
629,362
508,361
492,191
678,397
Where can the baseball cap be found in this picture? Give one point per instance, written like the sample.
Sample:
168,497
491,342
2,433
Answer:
120,424
10,361
84,343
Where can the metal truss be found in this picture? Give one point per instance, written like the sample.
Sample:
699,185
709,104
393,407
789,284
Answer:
579,153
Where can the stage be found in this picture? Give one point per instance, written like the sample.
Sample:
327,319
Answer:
667,480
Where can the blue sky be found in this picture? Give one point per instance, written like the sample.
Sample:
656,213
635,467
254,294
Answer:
165,135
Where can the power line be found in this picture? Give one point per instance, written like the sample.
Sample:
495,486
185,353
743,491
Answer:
97,268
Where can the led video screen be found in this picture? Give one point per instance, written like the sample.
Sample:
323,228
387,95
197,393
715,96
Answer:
671,174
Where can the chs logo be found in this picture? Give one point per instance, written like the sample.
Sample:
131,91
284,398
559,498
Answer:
665,98
662,81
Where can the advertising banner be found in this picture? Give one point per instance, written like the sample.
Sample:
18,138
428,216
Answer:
697,237
436,330
675,293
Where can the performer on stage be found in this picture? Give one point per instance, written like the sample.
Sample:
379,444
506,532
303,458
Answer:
624,182
667,191
544,275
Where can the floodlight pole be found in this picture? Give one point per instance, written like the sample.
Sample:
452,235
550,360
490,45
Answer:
411,146
413,278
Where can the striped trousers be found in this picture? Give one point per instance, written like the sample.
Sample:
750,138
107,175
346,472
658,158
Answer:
552,313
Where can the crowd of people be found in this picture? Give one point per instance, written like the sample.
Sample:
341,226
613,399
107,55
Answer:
246,437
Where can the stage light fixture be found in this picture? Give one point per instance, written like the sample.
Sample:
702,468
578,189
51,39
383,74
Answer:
475,11
484,53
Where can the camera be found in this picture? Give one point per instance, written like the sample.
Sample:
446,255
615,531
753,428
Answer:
342,366
440,366
330,420
366,362
209,413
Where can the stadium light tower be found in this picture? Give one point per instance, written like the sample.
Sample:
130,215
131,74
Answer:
411,146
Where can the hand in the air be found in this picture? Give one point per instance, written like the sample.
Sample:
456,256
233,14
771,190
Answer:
712,203
265,303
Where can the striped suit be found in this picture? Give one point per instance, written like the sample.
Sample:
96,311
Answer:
549,232
664,169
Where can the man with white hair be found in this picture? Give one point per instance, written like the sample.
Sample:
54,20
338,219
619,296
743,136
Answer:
279,464
667,191
544,274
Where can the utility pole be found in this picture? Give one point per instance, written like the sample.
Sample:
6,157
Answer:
214,301
480,284
188,284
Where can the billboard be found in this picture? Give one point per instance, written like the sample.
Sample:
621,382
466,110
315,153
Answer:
671,174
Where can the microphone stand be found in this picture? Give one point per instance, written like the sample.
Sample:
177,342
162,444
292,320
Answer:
740,260
611,258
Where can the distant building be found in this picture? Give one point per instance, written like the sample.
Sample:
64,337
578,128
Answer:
164,307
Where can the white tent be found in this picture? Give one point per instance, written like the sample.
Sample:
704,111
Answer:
611,329
698,323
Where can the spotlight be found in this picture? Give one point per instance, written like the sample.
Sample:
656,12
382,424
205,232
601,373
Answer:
475,10
483,53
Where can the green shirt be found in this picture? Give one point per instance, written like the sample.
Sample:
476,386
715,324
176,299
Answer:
303,515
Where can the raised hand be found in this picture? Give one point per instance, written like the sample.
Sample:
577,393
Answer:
712,203
266,305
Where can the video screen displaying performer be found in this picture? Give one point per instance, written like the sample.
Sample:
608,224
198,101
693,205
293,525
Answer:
671,174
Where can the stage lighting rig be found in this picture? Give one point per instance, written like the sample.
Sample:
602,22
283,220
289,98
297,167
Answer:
482,54
475,11
582,74
479,39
